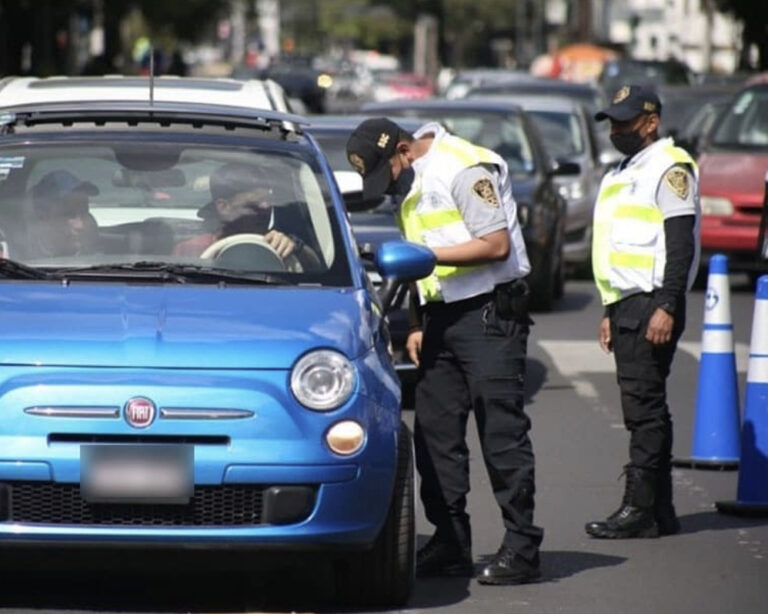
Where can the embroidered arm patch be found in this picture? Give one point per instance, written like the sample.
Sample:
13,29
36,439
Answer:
677,180
483,189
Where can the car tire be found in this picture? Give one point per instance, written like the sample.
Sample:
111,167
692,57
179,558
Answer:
384,576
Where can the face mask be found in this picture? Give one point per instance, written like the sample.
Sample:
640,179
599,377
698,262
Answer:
402,185
628,143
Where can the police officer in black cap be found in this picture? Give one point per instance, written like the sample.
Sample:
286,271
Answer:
645,256
469,340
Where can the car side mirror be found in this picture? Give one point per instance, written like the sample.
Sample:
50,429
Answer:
400,262
563,168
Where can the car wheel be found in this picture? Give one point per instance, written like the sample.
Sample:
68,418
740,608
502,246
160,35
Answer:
559,279
384,576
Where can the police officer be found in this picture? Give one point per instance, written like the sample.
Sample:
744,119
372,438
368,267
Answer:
470,342
645,253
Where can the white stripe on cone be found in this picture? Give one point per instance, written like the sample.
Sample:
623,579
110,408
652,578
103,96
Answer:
759,342
717,342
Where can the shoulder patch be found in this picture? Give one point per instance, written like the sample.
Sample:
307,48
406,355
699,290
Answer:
483,189
677,180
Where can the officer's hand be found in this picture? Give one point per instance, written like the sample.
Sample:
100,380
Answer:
660,327
282,243
604,336
413,345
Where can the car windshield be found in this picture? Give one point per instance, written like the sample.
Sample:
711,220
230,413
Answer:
104,206
562,132
745,122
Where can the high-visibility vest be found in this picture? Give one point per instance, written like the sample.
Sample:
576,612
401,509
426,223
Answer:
429,216
628,242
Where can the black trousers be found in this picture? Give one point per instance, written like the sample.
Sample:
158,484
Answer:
642,369
473,360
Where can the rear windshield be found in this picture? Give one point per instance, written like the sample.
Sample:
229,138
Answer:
90,203
745,122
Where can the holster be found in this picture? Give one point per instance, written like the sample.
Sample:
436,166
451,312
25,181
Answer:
510,300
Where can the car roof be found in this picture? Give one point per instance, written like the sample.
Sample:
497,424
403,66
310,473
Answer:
349,122
254,93
444,104
539,102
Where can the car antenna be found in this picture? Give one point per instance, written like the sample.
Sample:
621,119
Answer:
151,76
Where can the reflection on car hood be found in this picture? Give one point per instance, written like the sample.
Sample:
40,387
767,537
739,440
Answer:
172,327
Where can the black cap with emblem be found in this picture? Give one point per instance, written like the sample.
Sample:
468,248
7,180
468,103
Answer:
628,102
369,148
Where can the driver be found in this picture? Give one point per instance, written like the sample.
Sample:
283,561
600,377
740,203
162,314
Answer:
63,224
241,204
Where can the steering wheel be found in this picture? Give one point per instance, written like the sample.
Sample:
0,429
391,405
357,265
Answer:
265,256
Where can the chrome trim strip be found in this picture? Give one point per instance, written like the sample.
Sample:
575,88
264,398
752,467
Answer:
74,412
185,413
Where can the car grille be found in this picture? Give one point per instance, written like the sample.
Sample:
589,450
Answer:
62,504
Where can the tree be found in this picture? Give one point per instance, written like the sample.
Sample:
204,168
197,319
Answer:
753,15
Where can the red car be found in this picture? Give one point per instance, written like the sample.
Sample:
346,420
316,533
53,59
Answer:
733,167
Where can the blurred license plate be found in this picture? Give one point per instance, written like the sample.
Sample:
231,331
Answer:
136,474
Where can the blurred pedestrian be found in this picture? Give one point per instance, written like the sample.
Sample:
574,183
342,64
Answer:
645,255
469,339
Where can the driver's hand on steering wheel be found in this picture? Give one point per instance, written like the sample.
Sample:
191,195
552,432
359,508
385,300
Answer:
281,243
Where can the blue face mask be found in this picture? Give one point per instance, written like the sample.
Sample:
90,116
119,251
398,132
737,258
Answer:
402,185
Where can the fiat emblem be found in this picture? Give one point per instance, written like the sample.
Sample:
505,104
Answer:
139,412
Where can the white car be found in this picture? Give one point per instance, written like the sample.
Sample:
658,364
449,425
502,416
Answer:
253,93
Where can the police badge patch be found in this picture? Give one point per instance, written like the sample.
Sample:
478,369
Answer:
483,189
621,94
677,180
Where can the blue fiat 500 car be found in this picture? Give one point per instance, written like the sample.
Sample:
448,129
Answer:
191,352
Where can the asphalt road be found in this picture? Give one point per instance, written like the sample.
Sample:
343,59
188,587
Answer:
716,565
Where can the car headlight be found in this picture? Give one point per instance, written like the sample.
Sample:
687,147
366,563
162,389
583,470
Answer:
716,205
323,380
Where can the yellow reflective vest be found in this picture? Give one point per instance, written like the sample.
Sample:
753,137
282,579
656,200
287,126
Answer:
429,216
628,244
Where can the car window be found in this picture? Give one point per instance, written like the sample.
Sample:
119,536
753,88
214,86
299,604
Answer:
745,123
562,132
96,202
334,146
504,134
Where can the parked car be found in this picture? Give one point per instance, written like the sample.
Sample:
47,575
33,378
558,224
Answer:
235,398
508,130
698,125
466,80
656,73
569,136
733,165
253,93
373,222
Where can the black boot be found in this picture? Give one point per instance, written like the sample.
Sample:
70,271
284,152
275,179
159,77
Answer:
635,517
443,557
508,567
664,510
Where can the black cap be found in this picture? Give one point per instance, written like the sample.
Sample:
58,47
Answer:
369,148
57,184
628,102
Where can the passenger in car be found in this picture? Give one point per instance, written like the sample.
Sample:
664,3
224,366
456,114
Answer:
62,224
241,204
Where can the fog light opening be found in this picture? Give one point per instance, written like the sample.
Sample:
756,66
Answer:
345,437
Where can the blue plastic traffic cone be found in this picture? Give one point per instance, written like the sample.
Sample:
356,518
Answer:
716,425
752,493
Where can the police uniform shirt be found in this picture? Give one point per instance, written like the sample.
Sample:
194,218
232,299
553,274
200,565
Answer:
476,194
676,193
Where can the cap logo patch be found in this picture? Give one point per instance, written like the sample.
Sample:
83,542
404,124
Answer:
484,190
383,140
677,180
649,107
622,94
357,162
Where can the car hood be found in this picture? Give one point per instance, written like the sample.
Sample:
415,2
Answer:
113,325
739,176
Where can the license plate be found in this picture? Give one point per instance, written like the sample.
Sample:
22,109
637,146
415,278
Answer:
136,474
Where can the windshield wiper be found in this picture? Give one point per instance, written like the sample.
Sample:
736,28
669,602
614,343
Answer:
15,270
164,271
